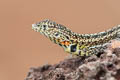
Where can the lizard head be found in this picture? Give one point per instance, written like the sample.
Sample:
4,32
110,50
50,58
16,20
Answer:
57,33
52,30
43,26
46,27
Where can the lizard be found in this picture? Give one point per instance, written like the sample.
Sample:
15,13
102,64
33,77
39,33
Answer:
75,43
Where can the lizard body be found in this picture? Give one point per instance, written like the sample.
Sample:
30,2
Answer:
74,43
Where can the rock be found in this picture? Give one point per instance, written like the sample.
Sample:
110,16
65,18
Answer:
104,67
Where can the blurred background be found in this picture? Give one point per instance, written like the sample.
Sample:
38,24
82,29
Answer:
21,48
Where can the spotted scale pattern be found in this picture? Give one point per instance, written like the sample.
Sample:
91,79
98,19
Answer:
75,43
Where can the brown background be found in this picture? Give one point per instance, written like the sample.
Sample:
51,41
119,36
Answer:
22,48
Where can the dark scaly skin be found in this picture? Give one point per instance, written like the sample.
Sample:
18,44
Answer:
74,43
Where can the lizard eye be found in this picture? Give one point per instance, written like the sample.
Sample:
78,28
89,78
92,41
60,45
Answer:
56,34
73,48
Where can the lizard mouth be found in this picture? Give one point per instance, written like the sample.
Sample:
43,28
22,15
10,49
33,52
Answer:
35,27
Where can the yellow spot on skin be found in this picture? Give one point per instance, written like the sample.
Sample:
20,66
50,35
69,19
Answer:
82,53
83,46
58,40
75,53
67,50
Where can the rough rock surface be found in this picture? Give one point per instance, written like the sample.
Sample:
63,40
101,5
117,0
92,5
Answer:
103,67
